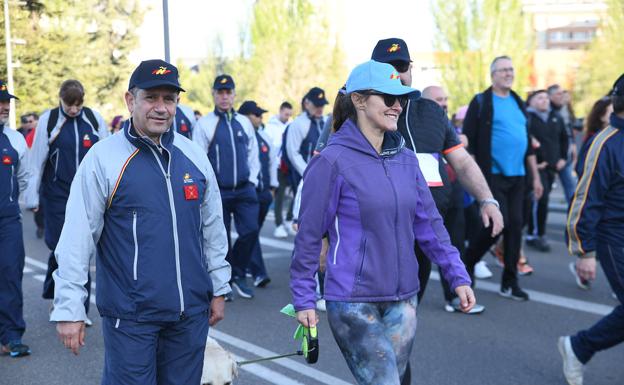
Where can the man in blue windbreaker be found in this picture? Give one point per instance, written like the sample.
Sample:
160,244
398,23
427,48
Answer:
13,180
63,137
230,142
147,201
595,230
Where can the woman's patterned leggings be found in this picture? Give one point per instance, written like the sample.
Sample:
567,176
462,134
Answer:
375,338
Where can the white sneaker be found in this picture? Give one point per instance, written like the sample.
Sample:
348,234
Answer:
88,322
572,367
320,305
289,227
280,232
481,271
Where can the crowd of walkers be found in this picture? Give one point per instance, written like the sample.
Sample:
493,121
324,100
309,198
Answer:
151,198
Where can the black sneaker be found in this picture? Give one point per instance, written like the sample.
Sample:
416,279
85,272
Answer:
539,243
514,292
240,285
229,297
16,349
261,281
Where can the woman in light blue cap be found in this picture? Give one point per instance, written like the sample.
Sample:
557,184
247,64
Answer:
366,191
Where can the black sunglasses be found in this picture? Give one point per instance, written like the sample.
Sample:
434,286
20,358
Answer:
389,100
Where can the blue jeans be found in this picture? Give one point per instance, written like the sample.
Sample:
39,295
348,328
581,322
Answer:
154,353
375,338
568,182
608,331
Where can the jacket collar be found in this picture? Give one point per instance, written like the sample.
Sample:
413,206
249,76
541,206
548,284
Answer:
166,139
616,121
349,135
228,115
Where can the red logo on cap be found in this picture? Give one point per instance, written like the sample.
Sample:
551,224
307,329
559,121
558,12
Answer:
161,71
394,48
394,75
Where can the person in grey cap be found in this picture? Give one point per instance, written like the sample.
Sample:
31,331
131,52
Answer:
13,180
595,229
147,200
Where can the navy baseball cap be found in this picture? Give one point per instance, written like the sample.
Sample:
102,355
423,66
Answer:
317,96
618,86
155,73
223,82
391,50
4,92
380,77
249,107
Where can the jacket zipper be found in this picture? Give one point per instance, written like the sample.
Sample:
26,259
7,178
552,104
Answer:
77,143
359,276
235,182
338,239
56,163
176,242
136,244
218,160
396,220
11,178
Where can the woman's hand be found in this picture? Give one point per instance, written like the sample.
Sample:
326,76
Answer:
307,318
466,296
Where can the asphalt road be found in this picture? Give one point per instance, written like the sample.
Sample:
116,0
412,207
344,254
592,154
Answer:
511,343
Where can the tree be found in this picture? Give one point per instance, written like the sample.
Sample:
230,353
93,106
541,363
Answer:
470,34
286,49
604,60
88,40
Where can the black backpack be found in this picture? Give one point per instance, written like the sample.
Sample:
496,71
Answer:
54,114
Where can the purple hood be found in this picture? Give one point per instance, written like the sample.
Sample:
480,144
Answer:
374,207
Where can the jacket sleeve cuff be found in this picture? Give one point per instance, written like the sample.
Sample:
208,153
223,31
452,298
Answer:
586,255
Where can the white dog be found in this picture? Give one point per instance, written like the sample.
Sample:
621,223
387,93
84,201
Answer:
220,367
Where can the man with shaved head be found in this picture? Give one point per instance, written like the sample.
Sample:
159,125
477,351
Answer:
438,95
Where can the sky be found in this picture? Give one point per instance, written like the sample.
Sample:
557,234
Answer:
195,24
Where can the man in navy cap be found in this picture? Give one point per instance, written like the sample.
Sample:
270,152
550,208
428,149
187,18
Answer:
595,229
13,180
267,183
230,142
428,132
148,202
302,134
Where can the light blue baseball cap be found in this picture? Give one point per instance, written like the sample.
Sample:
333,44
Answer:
380,77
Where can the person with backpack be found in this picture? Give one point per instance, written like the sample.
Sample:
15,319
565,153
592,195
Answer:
13,180
63,136
300,137
230,141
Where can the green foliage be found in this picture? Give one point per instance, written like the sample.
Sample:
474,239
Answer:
88,40
290,50
470,34
604,61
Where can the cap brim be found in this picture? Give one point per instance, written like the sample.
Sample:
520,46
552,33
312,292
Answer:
320,103
398,89
8,97
223,87
159,83
260,111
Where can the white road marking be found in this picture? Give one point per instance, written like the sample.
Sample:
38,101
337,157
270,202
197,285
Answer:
39,277
34,262
297,367
27,270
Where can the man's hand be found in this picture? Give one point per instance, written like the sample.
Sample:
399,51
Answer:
307,318
538,189
491,215
561,163
586,268
217,310
467,298
71,334
35,209
541,166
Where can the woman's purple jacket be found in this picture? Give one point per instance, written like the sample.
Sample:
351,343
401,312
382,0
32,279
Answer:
374,207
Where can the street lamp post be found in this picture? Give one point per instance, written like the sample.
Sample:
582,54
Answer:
166,29
9,61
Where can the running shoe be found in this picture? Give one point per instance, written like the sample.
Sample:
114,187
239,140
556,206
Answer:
261,281
481,270
514,292
580,282
572,367
240,285
454,306
16,349
280,232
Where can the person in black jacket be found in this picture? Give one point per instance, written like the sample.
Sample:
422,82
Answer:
547,127
496,127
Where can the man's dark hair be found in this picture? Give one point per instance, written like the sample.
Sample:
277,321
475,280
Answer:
532,94
286,105
553,88
618,103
